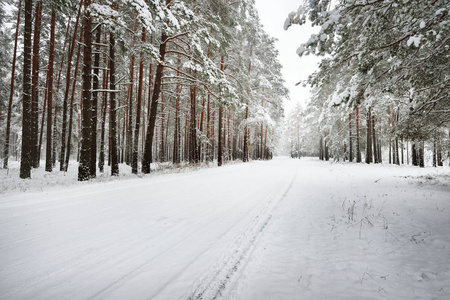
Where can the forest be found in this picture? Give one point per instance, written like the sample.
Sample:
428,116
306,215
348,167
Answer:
382,90
135,82
183,82
97,94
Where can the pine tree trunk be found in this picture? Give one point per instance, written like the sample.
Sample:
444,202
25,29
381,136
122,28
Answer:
245,155
414,154
147,159
94,116
129,125
403,155
161,137
101,158
220,145
11,92
69,128
266,152
369,138
407,152
358,151
34,86
390,141
439,154
86,130
113,107
434,151
48,150
62,166
208,129
122,145
397,156
374,141
421,154
54,137
177,130
134,160
202,117
246,129
193,127
350,141
26,158
220,137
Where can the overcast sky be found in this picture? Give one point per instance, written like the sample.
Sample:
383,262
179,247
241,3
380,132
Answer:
295,68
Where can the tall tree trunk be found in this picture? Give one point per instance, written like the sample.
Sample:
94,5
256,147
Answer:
101,158
245,158
220,137
358,150
350,137
434,151
147,159
69,129
246,130
414,154
390,140
219,150
11,92
208,129
369,138
193,125
374,141
95,87
202,117
113,108
86,130
54,137
48,150
421,154
161,137
407,152
177,130
129,126
397,156
62,167
176,133
266,152
34,86
134,160
402,149
26,158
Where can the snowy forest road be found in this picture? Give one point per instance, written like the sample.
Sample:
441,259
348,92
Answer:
283,229
159,238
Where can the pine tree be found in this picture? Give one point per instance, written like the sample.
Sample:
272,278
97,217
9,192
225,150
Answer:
85,151
26,158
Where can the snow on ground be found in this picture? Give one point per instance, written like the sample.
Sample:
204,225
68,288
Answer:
282,229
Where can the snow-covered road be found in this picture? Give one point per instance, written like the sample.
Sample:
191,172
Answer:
147,238
283,229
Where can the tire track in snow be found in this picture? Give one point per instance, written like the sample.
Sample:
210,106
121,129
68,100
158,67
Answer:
217,282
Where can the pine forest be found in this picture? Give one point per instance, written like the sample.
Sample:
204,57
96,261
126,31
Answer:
136,82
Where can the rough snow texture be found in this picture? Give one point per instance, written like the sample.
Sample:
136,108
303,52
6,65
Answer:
283,229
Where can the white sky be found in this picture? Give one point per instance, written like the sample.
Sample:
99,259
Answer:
273,13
